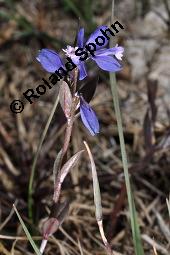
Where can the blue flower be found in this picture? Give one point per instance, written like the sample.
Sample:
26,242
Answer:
88,117
106,59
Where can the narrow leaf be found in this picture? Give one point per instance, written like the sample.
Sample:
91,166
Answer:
97,201
27,232
63,173
65,99
69,165
56,165
96,188
63,213
57,209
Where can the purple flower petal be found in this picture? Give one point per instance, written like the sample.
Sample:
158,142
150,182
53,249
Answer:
49,60
116,51
95,34
82,71
88,117
108,63
80,38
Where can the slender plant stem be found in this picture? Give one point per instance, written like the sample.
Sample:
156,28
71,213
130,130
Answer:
67,136
31,180
132,210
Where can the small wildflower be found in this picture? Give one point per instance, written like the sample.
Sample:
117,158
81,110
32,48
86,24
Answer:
106,59
88,117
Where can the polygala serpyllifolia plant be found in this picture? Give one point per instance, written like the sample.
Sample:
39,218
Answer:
72,100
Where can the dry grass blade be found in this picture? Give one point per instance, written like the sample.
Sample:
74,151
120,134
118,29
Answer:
80,248
154,250
8,162
97,200
168,204
96,188
8,218
153,243
72,240
163,226
3,250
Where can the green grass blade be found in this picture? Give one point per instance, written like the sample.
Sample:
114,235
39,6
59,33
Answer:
136,231
133,215
27,232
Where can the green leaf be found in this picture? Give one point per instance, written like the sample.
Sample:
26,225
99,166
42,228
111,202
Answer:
27,232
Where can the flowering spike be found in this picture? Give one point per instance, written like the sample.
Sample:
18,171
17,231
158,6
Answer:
88,117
